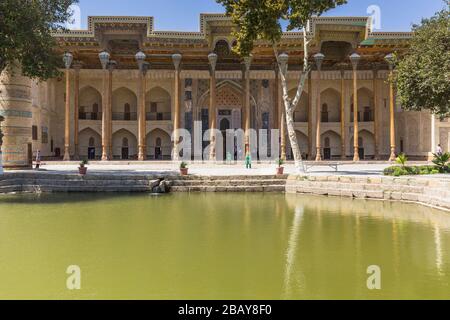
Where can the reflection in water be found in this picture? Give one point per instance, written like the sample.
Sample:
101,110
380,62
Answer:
292,248
437,241
220,246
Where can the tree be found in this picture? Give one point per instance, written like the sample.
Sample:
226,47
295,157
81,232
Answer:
261,20
423,73
26,28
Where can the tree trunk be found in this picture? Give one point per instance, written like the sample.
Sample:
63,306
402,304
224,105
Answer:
290,105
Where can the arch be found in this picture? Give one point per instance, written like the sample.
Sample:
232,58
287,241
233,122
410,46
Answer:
303,143
331,101
366,141
118,144
224,124
90,104
331,142
301,113
124,98
237,88
365,105
222,47
90,144
159,145
158,104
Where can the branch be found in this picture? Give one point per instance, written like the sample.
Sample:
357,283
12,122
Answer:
306,69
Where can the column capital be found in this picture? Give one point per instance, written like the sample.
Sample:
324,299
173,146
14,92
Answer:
176,59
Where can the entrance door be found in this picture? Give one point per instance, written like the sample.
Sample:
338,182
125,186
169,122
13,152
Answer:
30,154
224,126
125,153
91,153
327,153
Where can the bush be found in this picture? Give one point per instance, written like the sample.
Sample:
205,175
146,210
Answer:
398,171
442,162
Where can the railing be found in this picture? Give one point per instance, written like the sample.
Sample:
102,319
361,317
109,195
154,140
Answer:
90,116
158,116
124,116
363,116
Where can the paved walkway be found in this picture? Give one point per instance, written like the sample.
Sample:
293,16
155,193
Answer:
365,169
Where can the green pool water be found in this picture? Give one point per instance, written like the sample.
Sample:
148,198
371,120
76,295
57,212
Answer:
220,246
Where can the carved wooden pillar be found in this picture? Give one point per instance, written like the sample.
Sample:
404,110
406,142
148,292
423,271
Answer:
282,121
355,58
176,58
310,118
141,116
109,110
392,120
247,63
318,120
343,135
77,68
67,118
375,114
212,106
391,60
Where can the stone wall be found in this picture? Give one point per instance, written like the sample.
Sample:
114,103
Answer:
428,191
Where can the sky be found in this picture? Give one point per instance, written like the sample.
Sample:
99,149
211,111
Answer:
183,15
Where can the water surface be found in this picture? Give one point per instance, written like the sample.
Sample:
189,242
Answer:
220,246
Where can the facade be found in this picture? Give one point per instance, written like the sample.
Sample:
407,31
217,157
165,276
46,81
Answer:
114,109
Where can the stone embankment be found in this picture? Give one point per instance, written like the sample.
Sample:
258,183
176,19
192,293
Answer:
428,191
431,191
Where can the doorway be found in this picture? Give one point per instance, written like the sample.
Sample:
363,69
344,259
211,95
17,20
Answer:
224,126
125,149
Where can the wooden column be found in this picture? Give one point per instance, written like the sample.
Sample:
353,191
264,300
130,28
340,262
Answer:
282,115
343,135
76,111
247,63
67,118
142,121
310,118
176,58
375,114
105,97
318,120
212,57
355,117
109,109
392,119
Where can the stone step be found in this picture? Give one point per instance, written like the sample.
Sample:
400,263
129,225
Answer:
269,188
193,183
57,188
242,177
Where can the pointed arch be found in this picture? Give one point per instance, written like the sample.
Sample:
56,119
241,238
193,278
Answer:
365,105
158,104
90,143
301,113
331,105
90,104
118,139
159,145
331,142
124,104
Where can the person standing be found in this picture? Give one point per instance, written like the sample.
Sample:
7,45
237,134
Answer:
38,159
439,151
248,160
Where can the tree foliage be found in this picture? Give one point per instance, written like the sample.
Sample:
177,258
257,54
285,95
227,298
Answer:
26,28
423,74
261,19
